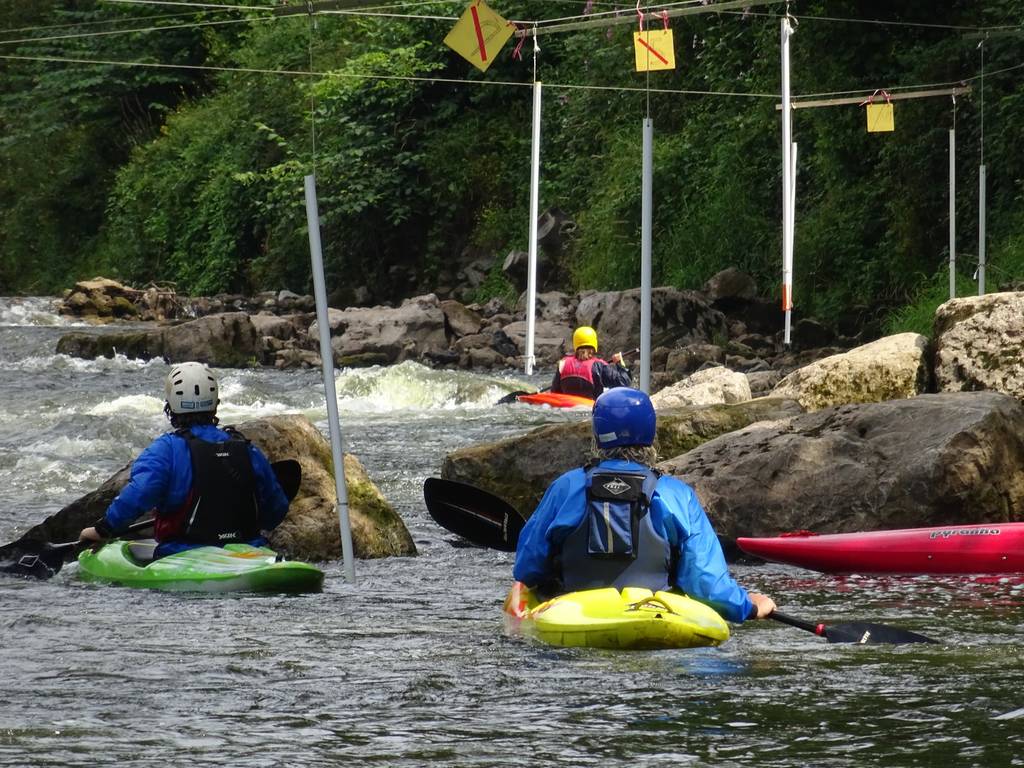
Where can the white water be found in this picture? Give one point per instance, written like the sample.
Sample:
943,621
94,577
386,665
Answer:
409,667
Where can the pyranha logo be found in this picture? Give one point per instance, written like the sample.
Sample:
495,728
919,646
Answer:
617,486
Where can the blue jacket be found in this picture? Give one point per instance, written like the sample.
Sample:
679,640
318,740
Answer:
675,513
161,478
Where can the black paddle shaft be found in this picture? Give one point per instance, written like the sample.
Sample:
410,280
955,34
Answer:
860,633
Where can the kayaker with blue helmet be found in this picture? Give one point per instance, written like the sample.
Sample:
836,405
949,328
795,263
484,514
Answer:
618,522
207,485
583,373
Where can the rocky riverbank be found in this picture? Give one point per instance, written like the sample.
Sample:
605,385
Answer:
725,324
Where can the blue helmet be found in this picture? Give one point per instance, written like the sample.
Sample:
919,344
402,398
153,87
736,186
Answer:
624,416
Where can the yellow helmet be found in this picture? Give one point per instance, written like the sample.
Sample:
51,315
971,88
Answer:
584,336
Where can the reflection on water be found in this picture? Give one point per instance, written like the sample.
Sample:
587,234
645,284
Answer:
410,666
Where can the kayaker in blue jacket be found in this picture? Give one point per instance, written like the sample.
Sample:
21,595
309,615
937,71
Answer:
207,485
617,522
583,373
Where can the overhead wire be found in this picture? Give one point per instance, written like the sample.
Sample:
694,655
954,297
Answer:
95,22
223,7
884,22
363,76
136,30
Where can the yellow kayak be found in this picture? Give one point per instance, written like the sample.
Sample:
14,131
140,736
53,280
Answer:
633,619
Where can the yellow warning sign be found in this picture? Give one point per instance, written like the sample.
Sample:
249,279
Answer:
479,35
654,50
880,118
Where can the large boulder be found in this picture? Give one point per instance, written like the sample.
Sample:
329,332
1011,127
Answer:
706,387
100,300
979,344
550,340
931,460
310,531
227,340
382,335
519,469
888,369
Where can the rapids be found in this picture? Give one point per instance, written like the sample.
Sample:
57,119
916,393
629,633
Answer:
409,666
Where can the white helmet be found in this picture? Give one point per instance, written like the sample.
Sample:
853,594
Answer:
191,388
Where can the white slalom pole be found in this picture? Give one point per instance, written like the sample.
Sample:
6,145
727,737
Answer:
792,223
327,358
531,282
787,181
952,213
646,207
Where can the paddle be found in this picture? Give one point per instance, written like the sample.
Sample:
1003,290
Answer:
33,559
42,560
489,521
473,513
855,632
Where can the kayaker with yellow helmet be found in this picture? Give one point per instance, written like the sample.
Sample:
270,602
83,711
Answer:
585,374
617,522
208,485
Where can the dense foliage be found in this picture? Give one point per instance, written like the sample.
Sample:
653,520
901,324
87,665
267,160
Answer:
194,174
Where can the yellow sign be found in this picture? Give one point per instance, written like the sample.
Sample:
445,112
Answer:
479,35
880,118
654,50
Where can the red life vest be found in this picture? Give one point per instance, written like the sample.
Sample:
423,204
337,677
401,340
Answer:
576,377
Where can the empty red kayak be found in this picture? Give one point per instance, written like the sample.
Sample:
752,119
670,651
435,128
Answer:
981,548
556,400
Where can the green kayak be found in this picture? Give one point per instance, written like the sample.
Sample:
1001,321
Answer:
232,568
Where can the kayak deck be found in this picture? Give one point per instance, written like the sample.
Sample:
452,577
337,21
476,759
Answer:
556,400
232,568
975,548
633,619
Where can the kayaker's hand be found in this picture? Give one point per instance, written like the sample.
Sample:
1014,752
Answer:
764,604
90,534
617,358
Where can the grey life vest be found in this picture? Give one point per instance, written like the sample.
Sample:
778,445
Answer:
615,543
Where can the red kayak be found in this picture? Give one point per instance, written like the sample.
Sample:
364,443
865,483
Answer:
556,400
981,548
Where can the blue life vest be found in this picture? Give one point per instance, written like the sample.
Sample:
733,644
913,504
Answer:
615,544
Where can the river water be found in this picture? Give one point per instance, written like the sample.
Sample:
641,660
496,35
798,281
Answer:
409,666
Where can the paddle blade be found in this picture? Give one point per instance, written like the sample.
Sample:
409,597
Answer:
855,632
872,634
289,475
473,513
34,559
512,397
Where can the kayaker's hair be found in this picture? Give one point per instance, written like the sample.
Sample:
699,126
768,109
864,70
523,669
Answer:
640,454
186,420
